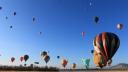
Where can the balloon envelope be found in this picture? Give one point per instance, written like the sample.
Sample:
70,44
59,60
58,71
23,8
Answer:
12,59
64,62
58,57
26,57
86,61
96,19
44,53
46,58
74,65
105,46
21,59
33,19
0,8
119,26
14,13
83,34
36,62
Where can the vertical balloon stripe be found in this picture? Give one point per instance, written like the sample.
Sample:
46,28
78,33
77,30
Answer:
104,39
112,47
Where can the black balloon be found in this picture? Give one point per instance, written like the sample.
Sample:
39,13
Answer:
96,19
26,57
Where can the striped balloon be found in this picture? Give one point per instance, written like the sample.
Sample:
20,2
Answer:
106,44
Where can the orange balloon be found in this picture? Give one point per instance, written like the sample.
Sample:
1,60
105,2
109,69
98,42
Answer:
64,62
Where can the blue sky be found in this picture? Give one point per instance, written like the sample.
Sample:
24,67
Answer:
61,23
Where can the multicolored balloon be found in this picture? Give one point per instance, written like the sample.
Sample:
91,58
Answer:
74,65
46,58
119,26
105,45
64,62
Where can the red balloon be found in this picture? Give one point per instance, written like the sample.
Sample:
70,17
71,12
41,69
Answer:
83,34
21,59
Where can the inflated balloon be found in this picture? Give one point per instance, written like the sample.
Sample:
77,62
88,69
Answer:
119,26
64,62
11,27
0,8
6,17
58,57
92,51
83,34
105,46
26,57
96,19
40,33
74,65
12,59
21,59
86,62
33,19
36,62
44,53
46,58
14,13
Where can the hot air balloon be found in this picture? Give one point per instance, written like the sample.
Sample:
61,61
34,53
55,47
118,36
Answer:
74,65
21,59
86,62
46,58
105,46
14,13
119,26
36,62
44,53
6,17
12,59
40,33
92,51
83,34
26,57
11,27
58,57
0,8
33,19
96,19
64,62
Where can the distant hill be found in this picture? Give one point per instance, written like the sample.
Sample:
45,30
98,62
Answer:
120,66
